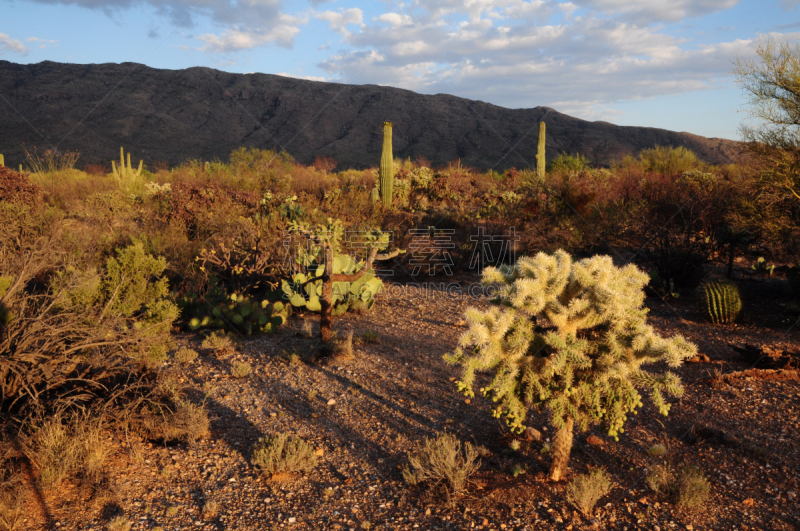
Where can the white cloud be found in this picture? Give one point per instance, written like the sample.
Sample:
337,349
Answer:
338,20
576,62
43,42
308,78
243,24
235,40
646,11
7,44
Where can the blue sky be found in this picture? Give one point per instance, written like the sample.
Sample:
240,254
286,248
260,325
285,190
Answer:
659,63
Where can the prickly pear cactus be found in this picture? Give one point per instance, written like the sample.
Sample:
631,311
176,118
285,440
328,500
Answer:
720,301
355,296
245,315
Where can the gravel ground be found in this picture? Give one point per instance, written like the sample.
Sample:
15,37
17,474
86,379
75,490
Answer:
363,414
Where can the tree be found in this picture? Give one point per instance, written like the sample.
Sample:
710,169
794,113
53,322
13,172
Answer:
569,337
772,84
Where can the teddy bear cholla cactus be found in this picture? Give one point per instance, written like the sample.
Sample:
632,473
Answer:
569,337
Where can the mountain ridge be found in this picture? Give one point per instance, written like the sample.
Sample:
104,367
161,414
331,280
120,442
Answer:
202,113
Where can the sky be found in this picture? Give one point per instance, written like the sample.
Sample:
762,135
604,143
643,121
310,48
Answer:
655,63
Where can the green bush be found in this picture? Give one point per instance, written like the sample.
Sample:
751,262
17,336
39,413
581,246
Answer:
566,163
668,160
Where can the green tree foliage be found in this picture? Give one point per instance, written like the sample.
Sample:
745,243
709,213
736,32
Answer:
668,160
772,83
567,163
570,337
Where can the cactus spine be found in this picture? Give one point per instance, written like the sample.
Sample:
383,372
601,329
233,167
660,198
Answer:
540,158
125,172
721,301
387,165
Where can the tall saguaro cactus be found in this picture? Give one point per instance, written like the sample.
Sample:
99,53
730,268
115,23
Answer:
125,172
540,158
387,165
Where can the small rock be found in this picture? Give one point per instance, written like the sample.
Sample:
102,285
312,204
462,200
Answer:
643,501
467,400
791,494
749,502
690,527
292,519
427,512
331,402
320,451
485,521
595,440
232,480
532,434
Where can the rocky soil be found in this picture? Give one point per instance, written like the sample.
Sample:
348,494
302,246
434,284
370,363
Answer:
363,414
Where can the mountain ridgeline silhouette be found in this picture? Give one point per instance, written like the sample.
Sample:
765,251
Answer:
201,113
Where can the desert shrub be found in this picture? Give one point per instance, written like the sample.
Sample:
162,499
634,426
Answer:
688,488
205,210
219,342
370,336
692,488
566,163
241,370
211,509
668,160
50,160
442,461
181,421
269,169
79,333
16,188
657,450
59,448
586,490
283,454
574,368
119,523
185,356
12,506
680,223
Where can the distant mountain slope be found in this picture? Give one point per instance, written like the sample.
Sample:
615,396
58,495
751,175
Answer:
202,113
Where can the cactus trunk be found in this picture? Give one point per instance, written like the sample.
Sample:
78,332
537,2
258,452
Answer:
387,166
540,156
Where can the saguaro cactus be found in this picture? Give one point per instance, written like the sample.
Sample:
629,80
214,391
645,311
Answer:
125,172
387,166
540,158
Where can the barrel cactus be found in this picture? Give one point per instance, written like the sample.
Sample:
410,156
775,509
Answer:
720,301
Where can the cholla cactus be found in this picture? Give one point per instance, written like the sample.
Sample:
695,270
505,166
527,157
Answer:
569,337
